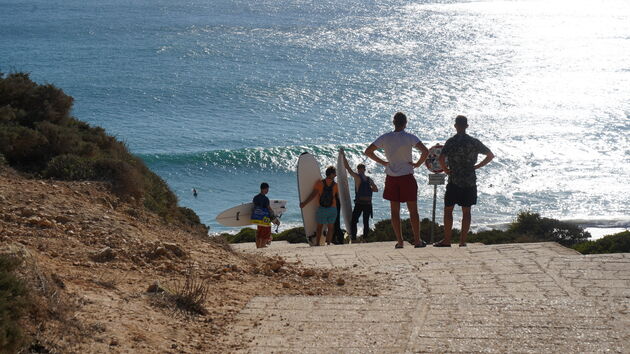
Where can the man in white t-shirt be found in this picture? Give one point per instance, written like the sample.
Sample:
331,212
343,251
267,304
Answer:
400,185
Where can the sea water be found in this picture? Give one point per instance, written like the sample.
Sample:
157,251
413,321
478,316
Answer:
221,95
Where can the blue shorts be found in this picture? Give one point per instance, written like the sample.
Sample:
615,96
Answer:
326,215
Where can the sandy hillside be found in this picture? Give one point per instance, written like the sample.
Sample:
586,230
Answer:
91,259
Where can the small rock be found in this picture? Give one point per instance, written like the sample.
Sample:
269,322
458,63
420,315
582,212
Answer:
159,252
325,275
176,249
308,273
276,266
155,288
105,255
341,282
62,219
286,285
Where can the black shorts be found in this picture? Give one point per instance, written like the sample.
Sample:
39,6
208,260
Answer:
462,196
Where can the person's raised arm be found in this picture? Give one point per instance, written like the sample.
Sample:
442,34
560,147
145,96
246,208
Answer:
310,197
486,160
346,164
424,153
373,185
370,152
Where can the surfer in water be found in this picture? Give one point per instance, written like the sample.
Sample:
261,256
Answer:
363,188
261,216
461,151
327,191
400,184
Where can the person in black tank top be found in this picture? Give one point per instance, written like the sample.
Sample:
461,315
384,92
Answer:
364,187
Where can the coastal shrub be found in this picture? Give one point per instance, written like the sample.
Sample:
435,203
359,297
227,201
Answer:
127,181
616,243
245,235
188,216
294,235
69,168
383,231
14,304
38,135
3,160
531,226
492,237
23,147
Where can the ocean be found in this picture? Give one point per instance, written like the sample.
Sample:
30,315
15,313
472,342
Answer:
221,95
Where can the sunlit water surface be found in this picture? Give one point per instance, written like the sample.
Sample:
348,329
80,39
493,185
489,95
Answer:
222,95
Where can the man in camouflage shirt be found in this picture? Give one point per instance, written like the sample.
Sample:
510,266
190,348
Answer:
461,151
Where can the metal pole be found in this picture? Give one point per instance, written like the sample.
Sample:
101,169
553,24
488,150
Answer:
433,223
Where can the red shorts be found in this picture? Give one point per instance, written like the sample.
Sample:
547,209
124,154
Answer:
263,233
401,188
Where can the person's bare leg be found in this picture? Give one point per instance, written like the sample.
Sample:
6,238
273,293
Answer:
466,219
448,224
414,217
330,233
395,213
320,227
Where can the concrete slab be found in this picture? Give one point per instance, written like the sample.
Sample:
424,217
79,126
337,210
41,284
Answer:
538,297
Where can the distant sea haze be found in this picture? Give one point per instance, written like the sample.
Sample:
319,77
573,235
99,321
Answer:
223,95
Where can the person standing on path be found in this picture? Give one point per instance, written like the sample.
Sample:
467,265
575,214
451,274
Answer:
363,188
400,184
461,151
262,216
327,191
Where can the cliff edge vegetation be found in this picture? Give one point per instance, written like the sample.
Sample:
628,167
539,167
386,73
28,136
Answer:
39,136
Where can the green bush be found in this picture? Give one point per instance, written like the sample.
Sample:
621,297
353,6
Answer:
534,227
69,168
383,231
24,148
245,235
294,235
617,243
492,237
188,216
38,135
14,303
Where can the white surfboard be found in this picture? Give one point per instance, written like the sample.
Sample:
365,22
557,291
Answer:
344,192
240,215
307,175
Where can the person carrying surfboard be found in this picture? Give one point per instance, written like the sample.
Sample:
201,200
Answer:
400,184
462,151
326,190
262,216
364,186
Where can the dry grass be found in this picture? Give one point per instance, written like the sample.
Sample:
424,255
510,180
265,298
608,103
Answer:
187,296
190,295
52,310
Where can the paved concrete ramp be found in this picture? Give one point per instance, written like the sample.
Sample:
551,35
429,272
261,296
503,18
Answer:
540,298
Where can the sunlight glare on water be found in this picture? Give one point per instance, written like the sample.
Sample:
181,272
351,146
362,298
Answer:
222,95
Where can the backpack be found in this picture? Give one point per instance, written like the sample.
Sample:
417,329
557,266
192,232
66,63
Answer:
364,194
326,199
